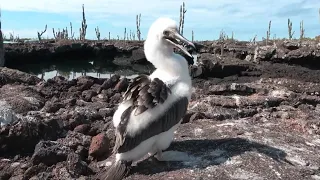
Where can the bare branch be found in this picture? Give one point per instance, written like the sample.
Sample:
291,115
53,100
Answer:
41,33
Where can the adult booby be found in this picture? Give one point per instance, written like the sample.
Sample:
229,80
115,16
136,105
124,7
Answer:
153,106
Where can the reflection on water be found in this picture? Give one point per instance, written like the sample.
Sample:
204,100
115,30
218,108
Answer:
74,75
9,42
98,72
71,69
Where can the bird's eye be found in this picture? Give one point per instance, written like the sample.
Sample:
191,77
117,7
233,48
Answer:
166,32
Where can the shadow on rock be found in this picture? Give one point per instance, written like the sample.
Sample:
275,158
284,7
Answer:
205,153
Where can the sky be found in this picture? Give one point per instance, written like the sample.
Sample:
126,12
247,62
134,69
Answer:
207,18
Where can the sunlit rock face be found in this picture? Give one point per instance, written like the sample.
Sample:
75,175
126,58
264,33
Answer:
6,113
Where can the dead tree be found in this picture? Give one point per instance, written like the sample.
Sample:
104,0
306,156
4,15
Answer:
290,29
301,31
268,33
66,33
60,34
182,14
192,36
253,40
13,38
41,33
4,36
97,33
222,39
83,29
71,33
138,21
132,35
2,60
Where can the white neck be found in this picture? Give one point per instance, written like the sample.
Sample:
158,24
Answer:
165,60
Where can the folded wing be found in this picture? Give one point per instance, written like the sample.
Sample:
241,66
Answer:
145,95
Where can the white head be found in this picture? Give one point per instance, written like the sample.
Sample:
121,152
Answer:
162,38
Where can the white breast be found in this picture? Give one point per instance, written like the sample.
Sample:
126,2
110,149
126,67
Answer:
118,113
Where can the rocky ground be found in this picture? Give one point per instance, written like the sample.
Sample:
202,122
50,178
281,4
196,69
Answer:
254,114
33,52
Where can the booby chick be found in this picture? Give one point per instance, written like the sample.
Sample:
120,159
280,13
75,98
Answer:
153,106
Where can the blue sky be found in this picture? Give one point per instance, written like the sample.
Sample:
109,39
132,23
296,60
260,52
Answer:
246,18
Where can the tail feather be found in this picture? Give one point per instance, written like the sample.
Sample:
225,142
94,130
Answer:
117,171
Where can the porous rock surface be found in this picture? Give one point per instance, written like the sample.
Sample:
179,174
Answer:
249,121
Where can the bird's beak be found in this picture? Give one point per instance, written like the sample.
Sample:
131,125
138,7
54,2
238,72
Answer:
175,38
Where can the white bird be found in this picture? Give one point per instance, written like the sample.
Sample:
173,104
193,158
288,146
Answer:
153,106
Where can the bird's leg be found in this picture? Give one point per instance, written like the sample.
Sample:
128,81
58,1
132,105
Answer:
158,155
172,156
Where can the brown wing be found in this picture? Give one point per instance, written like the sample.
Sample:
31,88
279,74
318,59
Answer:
147,94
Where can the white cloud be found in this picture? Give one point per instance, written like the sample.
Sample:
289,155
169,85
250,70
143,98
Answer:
201,8
210,14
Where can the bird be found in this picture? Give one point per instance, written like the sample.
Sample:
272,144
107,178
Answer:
154,105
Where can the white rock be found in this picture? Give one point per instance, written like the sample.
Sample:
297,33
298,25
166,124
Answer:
7,115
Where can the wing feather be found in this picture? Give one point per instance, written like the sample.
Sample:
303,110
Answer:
147,94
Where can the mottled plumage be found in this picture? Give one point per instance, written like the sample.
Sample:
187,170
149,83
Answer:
147,94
